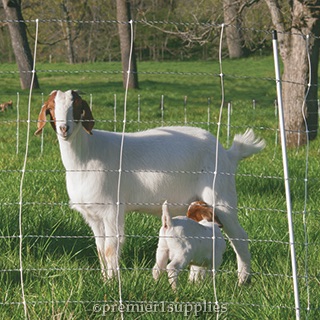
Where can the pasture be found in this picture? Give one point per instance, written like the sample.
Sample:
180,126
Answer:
61,272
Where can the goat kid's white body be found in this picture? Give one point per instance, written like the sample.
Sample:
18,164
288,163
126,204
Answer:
184,241
173,163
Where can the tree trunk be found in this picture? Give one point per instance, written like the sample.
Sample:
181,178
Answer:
300,100
67,33
19,40
300,97
233,29
123,17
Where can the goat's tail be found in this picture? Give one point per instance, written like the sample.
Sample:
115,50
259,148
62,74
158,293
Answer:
166,218
245,145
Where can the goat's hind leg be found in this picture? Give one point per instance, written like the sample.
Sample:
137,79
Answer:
173,270
162,257
237,236
197,273
240,243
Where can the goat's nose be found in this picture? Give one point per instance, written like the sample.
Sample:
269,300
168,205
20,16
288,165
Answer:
64,128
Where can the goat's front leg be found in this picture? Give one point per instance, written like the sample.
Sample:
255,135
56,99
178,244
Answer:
113,246
113,241
97,227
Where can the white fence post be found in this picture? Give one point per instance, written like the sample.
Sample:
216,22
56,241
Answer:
18,124
286,174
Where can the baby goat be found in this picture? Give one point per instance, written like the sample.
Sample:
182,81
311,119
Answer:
184,241
173,163
5,106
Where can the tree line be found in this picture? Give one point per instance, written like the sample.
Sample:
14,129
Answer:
86,30
97,30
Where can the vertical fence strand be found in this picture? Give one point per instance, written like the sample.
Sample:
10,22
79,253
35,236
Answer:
18,123
24,302
216,162
120,164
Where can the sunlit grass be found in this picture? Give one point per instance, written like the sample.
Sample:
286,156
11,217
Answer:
60,265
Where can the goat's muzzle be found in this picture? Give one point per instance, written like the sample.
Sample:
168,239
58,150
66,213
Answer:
64,128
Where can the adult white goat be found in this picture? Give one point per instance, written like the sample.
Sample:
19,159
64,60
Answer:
173,163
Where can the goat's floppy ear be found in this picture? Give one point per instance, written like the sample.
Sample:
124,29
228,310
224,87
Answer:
47,108
199,210
195,215
41,120
82,112
208,213
87,117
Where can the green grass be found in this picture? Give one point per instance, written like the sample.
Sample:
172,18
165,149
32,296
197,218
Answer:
61,270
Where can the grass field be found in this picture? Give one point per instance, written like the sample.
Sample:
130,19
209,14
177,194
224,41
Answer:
60,265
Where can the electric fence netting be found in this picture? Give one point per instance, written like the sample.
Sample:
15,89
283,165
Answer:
49,266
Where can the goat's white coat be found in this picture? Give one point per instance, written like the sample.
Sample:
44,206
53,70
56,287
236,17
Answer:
184,241
173,163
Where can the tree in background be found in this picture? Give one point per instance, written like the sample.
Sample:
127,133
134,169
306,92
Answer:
71,30
66,27
240,40
124,16
192,34
19,40
83,30
232,19
300,98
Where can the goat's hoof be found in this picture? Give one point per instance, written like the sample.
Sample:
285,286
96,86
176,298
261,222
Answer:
246,280
156,273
